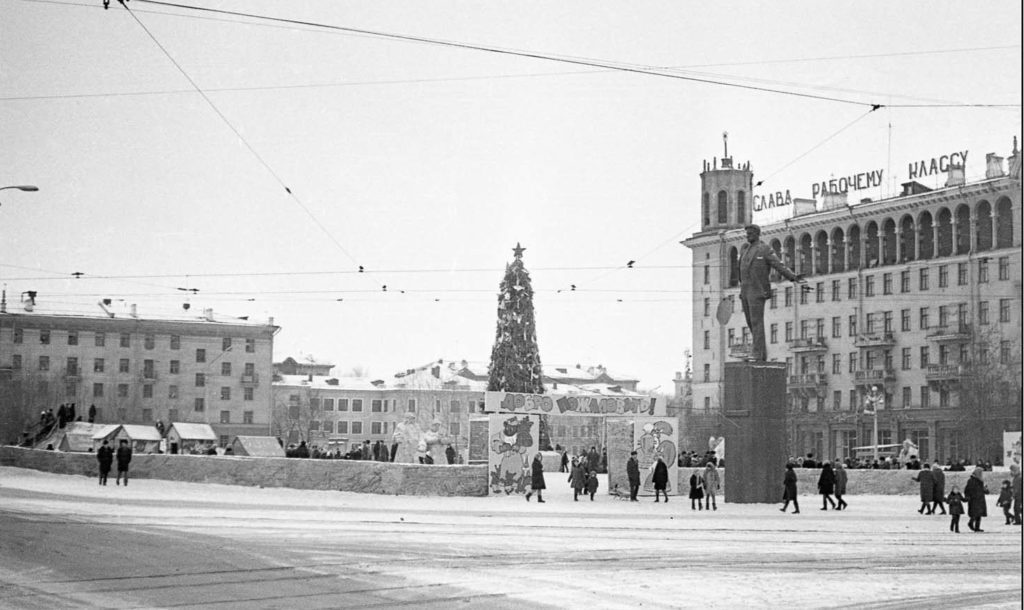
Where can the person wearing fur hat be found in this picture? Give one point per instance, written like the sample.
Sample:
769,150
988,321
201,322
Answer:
974,492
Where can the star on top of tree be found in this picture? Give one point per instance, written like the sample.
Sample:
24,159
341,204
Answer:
518,250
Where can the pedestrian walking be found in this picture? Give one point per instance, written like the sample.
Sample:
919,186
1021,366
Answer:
956,508
1016,491
789,490
577,478
660,479
927,483
974,492
592,484
712,483
536,479
105,457
938,488
564,463
840,488
1005,501
124,457
696,490
633,473
827,485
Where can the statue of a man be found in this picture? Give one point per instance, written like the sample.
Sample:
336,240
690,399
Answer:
435,441
757,259
408,435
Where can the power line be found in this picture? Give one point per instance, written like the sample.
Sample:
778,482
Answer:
594,63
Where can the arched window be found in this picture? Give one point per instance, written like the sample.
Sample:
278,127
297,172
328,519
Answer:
821,245
1004,228
723,208
734,267
889,242
706,210
963,229
871,253
907,238
741,203
945,245
853,242
789,252
777,246
838,252
925,236
984,215
806,262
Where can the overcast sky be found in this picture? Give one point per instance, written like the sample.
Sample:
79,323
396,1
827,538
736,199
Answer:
426,163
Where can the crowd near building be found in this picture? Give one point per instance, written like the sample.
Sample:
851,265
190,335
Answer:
916,297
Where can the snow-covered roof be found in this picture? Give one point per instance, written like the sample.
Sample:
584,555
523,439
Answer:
78,435
328,383
193,432
134,432
257,446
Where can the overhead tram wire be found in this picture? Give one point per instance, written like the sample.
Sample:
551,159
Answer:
266,165
594,63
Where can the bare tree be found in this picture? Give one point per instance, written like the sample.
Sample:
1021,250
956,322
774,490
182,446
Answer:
990,394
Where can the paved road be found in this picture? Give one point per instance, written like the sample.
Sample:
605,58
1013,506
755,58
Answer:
67,543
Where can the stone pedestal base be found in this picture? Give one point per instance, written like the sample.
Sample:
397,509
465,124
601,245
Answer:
755,431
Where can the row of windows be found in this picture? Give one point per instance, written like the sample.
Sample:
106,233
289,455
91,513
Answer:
947,354
381,405
802,402
356,427
99,365
125,340
123,389
875,322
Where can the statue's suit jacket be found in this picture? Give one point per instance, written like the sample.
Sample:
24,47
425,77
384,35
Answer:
756,262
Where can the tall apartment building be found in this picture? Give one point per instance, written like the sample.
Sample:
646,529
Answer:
917,295
137,370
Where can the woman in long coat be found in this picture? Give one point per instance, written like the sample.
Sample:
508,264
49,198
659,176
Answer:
924,477
696,490
577,478
841,478
536,479
789,490
974,492
827,485
660,479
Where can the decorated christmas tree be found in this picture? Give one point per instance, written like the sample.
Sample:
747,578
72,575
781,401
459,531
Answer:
515,359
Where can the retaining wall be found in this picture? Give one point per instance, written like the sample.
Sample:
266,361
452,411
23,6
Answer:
342,475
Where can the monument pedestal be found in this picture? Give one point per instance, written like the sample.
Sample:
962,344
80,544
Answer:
754,407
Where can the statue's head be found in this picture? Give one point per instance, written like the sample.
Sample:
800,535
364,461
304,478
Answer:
753,233
410,418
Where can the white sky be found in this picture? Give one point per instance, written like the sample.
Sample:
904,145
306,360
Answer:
426,164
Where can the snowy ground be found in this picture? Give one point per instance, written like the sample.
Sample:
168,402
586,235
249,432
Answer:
65,542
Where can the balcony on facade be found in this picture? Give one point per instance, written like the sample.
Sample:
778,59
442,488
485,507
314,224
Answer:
870,377
250,379
813,344
147,376
945,373
875,340
956,332
72,374
808,381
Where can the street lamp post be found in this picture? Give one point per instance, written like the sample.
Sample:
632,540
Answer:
875,400
28,188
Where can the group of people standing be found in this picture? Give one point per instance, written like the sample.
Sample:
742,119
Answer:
704,487
106,455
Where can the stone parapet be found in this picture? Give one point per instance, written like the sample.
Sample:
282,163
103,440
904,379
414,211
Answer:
341,475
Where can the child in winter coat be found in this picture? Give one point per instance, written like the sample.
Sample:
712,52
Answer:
696,490
955,500
1006,501
592,483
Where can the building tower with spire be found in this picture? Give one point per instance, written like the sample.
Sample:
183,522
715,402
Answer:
726,197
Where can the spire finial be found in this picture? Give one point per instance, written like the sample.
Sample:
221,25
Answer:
725,141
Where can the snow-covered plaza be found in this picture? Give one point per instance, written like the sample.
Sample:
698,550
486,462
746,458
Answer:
66,542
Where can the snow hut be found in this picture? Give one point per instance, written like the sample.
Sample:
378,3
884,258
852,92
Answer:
257,446
142,439
190,438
